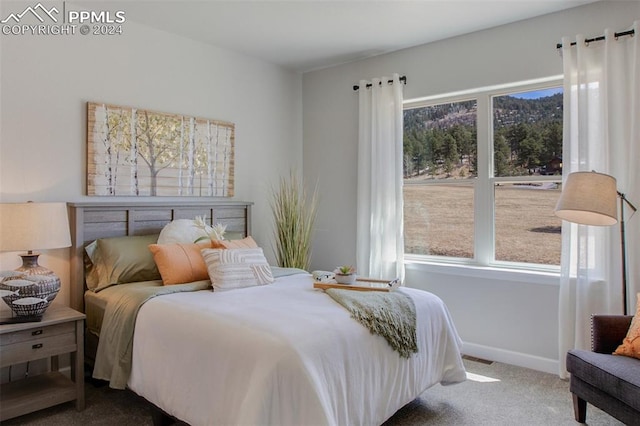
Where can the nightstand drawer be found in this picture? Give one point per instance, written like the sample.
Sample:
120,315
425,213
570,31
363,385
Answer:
36,333
35,344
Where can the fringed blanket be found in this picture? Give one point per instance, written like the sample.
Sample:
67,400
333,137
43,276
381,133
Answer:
391,315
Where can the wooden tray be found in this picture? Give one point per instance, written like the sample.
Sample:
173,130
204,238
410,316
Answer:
362,284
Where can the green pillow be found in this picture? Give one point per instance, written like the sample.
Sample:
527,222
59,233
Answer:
120,260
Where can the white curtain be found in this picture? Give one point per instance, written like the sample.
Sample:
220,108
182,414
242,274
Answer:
601,133
380,245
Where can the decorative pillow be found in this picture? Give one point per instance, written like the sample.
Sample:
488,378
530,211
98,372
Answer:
237,268
120,260
180,263
631,344
181,231
247,242
90,251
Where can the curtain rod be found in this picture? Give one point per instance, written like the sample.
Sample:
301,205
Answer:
600,38
402,79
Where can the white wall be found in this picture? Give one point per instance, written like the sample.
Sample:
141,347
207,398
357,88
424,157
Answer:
503,316
45,82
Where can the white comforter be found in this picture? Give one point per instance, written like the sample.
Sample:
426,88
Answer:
283,354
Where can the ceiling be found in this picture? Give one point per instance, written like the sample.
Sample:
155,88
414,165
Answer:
305,35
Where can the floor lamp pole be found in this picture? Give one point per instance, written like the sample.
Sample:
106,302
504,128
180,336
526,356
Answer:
623,200
624,254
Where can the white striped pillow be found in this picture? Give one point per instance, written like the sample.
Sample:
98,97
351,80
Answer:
237,268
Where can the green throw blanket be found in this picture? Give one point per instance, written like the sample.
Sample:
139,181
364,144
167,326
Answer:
113,357
391,315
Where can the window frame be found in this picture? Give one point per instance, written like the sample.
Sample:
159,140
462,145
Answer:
485,181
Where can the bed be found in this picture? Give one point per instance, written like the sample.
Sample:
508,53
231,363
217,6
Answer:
283,353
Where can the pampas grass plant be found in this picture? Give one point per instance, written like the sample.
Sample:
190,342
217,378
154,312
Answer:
294,212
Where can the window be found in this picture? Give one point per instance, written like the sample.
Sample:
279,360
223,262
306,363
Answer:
482,175
440,164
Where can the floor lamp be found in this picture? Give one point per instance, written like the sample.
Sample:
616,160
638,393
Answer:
590,198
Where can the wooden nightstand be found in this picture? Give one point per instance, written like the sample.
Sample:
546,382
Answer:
61,331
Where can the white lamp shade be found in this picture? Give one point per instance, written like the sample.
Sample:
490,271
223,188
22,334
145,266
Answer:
34,226
589,198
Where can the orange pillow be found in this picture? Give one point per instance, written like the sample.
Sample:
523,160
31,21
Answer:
631,344
247,242
180,263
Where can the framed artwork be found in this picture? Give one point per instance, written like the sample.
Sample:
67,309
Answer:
135,152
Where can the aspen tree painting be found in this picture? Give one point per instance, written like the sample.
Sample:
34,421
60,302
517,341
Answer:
146,153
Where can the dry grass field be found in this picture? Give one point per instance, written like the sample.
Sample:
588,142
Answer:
438,220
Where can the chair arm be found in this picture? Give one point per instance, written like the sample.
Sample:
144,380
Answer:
608,332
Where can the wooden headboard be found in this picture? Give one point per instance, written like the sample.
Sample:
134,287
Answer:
92,220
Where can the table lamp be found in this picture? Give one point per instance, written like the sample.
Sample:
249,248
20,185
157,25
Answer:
31,226
589,198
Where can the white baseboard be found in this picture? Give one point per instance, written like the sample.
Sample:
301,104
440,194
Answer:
520,359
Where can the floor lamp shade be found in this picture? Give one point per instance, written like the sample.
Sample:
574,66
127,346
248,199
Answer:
589,198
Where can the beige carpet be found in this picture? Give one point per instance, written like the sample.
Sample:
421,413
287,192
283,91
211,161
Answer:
496,394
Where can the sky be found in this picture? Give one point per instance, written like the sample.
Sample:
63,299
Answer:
536,94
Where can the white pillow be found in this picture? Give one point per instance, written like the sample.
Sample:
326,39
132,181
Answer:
237,268
181,231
